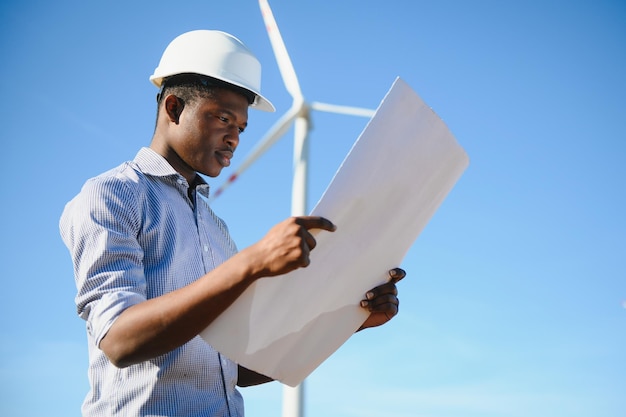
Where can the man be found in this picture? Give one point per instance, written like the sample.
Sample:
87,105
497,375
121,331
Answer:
154,265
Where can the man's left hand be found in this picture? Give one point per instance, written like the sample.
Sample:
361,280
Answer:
382,301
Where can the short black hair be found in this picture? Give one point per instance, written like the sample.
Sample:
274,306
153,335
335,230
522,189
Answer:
191,87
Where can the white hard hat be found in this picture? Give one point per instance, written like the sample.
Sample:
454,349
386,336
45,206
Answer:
214,54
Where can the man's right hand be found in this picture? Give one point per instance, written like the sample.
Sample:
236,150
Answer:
287,245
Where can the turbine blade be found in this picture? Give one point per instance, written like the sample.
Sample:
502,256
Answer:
276,132
334,108
280,51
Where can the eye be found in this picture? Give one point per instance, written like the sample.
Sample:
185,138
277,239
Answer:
228,122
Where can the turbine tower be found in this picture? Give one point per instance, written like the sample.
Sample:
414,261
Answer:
299,114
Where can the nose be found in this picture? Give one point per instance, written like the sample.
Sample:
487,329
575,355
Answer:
232,137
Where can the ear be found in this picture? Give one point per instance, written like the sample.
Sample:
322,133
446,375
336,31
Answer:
173,107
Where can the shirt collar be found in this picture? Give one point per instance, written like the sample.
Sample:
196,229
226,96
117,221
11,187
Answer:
151,163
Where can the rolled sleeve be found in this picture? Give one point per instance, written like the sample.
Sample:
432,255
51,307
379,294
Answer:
100,228
107,310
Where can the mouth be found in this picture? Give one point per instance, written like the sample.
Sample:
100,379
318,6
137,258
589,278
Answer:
224,156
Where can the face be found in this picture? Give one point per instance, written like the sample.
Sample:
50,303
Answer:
207,134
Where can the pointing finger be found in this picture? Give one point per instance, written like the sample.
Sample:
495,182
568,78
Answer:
315,222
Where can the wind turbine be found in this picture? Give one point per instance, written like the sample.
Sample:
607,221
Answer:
299,114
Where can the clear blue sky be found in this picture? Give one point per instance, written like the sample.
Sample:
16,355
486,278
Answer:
514,305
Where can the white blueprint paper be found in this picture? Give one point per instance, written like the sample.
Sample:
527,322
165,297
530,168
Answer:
393,180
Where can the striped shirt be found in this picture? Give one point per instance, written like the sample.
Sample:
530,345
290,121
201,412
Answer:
134,234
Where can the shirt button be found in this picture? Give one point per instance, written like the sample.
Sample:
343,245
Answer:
206,248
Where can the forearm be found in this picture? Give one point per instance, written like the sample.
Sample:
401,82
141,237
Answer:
161,324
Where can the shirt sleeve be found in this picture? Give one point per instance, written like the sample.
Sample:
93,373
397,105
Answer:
100,228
